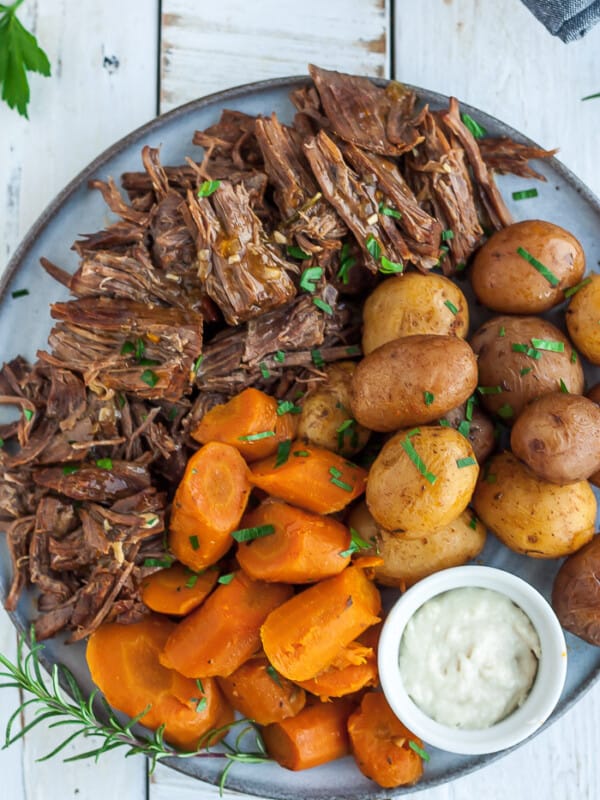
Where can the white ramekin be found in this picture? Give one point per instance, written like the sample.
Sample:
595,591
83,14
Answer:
544,693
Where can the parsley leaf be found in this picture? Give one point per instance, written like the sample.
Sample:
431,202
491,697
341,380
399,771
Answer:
19,54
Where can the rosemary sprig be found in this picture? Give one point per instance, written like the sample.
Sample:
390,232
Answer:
51,703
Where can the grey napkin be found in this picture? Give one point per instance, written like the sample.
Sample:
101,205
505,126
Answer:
568,19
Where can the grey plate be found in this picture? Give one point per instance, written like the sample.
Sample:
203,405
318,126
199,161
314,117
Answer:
25,323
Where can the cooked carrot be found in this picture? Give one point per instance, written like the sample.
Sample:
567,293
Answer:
208,505
249,422
312,478
354,669
303,548
123,661
258,692
316,735
381,744
303,636
224,632
177,590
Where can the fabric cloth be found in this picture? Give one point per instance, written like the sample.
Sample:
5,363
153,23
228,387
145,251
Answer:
567,19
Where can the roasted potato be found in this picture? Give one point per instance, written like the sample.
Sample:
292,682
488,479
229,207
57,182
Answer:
505,280
576,593
413,555
326,419
530,515
422,479
516,363
413,380
479,429
582,318
558,436
410,304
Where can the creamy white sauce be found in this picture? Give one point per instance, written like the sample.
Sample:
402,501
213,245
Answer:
468,657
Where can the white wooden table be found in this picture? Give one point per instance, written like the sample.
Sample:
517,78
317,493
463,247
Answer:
117,64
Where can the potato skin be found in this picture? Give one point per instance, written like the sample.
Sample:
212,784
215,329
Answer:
576,593
409,304
530,515
505,281
327,408
499,365
582,319
558,437
481,430
412,555
389,385
400,498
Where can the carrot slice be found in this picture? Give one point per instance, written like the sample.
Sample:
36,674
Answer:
123,661
304,547
219,636
316,735
303,636
243,422
258,692
381,744
208,505
353,669
312,478
177,590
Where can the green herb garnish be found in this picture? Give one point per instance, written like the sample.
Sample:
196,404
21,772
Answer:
298,252
563,387
390,267
104,463
373,247
208,187
469,461
301,453
548,344
192,580
502,331
428,397
279,356
164,563
525,371
506,411
449,304
477,130
489,389
543,270
410,451
574,289
149,377
309,278
447,235
256,437
19,293
418,750
389,211
323,305
248,534
28,414
283,452
524,194
226,579
317,358
473,522
264,370
347,261
356,543
69,469
464,428
194,542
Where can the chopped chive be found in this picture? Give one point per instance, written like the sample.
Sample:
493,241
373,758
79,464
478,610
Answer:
502,331
140,348
469,461
413,432
69,469
524,194
194,542
192,581
28,414
418,750
256,437
525,371
279,356
201,704
335,472
449,304
543,270
149,377
248,534
574,289
373,247
356,543
353,350
428,397
473,522
341,484
347,261
464,428
469,408
323,305
573,357
390,267
473,127
1,442
19,293
444,423
591,96
283,452
347,423
563,387
548,344
489,389
506,411
208,188
309,278
389,211
410,451
165,563
273,674
128,347
264,370
287,407
301,453
196,364
317,358
121,400
226,579
298,252
104,463
447,235
517,347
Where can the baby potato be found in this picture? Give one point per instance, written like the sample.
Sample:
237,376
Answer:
583,315
594,393
504,280
479,429
530,515
517,363
413,555
576,593
412,380
422,479
558,437
413,303
326,419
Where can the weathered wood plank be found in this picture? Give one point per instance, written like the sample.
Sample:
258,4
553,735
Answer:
498,57
211,46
